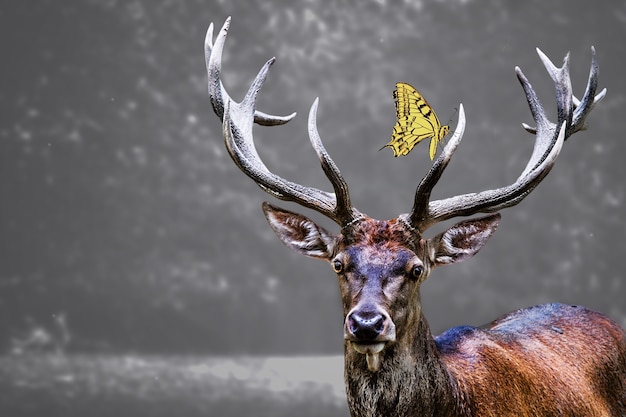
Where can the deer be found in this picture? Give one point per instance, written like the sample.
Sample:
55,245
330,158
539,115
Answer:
547,360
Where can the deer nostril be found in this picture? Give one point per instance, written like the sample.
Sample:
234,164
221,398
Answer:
380,324
367,325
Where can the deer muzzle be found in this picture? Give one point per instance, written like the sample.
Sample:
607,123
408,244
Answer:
368,330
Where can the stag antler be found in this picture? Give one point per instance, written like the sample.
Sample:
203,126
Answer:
237,124
549,140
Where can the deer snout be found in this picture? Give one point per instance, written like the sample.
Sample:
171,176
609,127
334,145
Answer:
366,326
369,325
368,329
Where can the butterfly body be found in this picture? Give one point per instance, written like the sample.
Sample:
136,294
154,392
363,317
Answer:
416,121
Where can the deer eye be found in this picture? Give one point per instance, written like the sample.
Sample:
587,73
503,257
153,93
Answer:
337,266
417,271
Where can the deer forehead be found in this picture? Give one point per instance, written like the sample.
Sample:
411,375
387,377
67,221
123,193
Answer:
379,247
388,233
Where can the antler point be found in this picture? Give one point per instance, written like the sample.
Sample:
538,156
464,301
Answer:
541,54
208,41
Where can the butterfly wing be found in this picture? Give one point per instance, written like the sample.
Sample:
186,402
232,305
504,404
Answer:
416,121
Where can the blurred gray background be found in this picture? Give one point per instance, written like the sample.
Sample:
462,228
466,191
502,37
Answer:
124,222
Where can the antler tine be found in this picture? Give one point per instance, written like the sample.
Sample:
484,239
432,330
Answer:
344,211
563,84
548,143
584,107
237,125
217,92
425,187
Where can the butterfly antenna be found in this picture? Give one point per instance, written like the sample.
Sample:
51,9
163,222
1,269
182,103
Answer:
443,142
452,117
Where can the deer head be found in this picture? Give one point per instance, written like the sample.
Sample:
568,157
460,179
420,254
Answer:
381,264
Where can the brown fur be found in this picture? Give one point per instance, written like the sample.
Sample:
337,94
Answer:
544,361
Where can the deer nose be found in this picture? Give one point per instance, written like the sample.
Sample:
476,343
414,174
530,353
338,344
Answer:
366,325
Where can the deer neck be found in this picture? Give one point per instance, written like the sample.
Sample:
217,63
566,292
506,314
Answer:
411,380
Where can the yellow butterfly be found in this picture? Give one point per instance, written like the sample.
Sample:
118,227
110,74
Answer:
416,121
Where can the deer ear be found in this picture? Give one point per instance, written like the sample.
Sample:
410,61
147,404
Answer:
299,232
463,240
